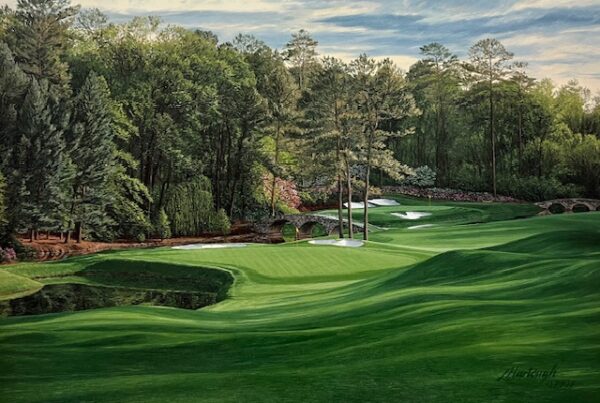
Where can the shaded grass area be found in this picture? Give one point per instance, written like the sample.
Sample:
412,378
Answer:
106,282
434,315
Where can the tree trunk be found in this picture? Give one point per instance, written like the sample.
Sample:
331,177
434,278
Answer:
541,152
366,193
340,206
520,139
349,186
441,154
31,235
67,236
242,187
438,148
79,231
493,136
340,187
163,190
274,176
366,206
238,170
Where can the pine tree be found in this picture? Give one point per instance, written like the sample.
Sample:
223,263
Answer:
381,96
91,149
13,85
129,196
44,171
328,113
489,66
39,38
301,53
440,82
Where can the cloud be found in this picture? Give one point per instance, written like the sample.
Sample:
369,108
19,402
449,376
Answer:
523,20
137,6
557,37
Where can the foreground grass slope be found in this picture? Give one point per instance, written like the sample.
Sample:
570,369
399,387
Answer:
426,315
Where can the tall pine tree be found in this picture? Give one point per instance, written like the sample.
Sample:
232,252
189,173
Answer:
489,66
13,86
44,171
91,148
39,38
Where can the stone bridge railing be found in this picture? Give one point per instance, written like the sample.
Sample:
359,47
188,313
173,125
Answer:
569,205
304,225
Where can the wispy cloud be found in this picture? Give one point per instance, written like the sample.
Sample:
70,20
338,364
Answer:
557,37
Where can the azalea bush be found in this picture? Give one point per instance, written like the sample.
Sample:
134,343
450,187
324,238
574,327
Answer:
286,194
7,255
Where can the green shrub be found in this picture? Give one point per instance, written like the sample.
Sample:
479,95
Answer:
533,188
162,226
285,209
221,223
423,177
190,209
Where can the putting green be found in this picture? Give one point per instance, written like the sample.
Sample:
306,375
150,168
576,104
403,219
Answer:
434,314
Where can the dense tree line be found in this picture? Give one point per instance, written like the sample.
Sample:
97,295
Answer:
488,126
137,129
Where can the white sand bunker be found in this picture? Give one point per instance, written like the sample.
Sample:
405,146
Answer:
211,246
358,205
421,226
348,243
411,215
384,202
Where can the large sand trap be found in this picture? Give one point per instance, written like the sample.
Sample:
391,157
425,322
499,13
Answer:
347,243
411,215
358,205
210,246
384,202
421,226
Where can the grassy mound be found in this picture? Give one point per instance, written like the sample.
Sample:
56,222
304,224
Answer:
557,243
12,285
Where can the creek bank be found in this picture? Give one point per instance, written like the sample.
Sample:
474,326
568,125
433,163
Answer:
118,282
56,298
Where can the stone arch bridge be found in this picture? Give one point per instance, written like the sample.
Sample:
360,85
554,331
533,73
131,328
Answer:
304,223
569,205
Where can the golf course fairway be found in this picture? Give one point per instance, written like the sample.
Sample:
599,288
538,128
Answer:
455,312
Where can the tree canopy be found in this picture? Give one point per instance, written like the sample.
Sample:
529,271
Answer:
140,129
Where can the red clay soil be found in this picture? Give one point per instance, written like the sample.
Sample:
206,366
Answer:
55,249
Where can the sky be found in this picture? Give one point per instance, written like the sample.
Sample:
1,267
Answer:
560,39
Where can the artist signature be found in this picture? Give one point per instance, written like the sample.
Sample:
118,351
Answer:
545,377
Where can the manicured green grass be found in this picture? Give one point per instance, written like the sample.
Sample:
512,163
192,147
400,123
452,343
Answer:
12,285
442,213
429,315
